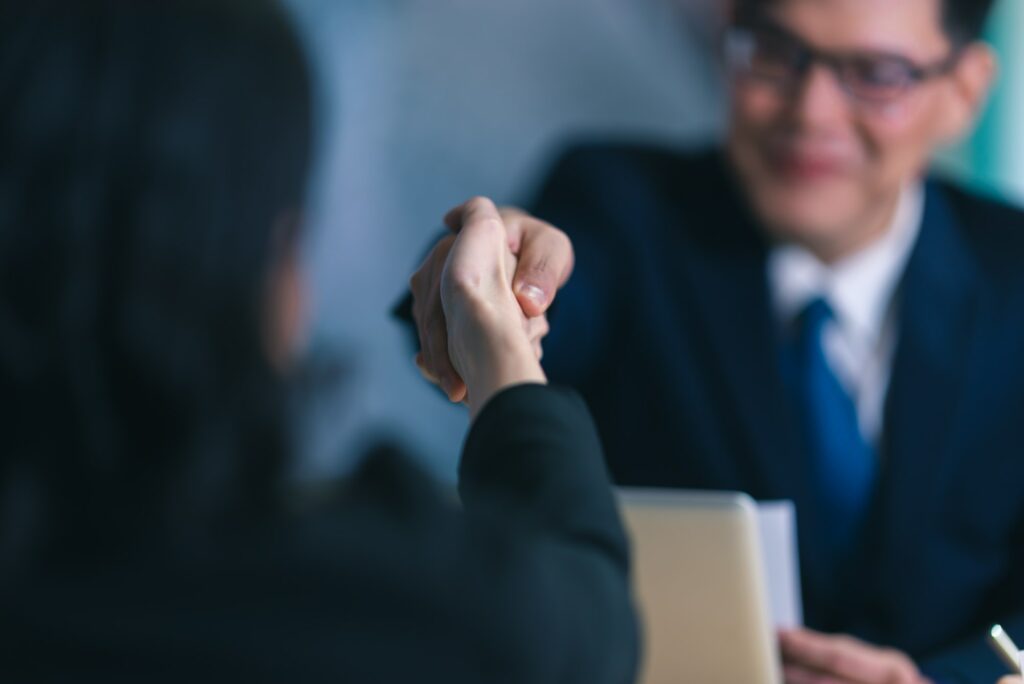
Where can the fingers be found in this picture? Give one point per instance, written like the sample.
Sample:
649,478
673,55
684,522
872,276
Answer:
792,674
546,260
489,337
422,366
545,253
433,360
476,264
537,329
812,657
477,260
472,211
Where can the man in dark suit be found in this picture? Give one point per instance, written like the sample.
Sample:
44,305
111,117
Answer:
804,315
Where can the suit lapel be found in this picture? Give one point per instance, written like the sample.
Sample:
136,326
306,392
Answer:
730,277
728,272
938,297
939,301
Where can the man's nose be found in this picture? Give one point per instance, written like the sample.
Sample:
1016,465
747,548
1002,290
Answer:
818,98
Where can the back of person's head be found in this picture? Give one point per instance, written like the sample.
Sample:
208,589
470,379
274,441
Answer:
150,153
963,20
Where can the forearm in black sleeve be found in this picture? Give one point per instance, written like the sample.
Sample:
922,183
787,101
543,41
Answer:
534,451
533,461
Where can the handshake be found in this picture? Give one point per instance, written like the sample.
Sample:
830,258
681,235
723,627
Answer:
480,301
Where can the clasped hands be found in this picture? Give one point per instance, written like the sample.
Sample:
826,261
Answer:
480,300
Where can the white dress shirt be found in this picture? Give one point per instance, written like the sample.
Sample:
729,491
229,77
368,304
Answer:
860,341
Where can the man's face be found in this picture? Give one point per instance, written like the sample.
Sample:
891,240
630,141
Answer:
820,167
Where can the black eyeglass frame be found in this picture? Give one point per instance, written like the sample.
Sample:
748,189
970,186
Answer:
740,41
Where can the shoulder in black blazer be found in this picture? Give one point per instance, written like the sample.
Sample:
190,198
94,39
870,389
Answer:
529,583
667,331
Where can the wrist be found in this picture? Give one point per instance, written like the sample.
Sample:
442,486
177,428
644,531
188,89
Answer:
491,357
503,374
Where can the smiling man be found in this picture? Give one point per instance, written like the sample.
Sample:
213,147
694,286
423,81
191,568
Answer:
805,314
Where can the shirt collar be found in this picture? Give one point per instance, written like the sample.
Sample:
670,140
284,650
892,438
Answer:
860,287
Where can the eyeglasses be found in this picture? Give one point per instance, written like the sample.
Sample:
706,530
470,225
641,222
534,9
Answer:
771,54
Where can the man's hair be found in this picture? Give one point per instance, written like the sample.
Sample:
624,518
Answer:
963,20
149,149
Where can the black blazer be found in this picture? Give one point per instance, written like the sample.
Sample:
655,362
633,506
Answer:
667,331
391,584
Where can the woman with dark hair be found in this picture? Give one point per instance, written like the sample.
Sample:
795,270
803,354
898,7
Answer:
153,166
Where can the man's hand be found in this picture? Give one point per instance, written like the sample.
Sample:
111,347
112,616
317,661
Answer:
1011,680
545,262
813,658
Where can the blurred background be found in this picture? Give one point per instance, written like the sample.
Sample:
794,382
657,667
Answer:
428,102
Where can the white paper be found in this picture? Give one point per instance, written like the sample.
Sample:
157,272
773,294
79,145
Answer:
777,522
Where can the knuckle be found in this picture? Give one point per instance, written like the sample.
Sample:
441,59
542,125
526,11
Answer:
560,236
481,203
511,213
492,224
416,286
462,279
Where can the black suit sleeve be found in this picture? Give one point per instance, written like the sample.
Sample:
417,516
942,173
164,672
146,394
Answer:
533,460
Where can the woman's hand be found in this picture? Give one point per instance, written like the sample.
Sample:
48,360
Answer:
541,257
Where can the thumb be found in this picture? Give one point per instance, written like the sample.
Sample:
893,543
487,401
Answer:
545,263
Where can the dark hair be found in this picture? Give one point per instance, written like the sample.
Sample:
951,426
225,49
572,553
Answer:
149,149
963,20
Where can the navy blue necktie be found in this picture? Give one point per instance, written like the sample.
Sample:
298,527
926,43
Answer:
845,465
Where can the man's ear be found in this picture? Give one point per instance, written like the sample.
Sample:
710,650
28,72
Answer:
970,84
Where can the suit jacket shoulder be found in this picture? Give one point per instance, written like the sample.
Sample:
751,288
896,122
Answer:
993,230
642,219
615,171
678,197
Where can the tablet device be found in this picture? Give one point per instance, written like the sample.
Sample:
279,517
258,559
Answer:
701,588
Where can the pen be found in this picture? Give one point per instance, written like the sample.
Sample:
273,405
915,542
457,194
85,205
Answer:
1004,647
